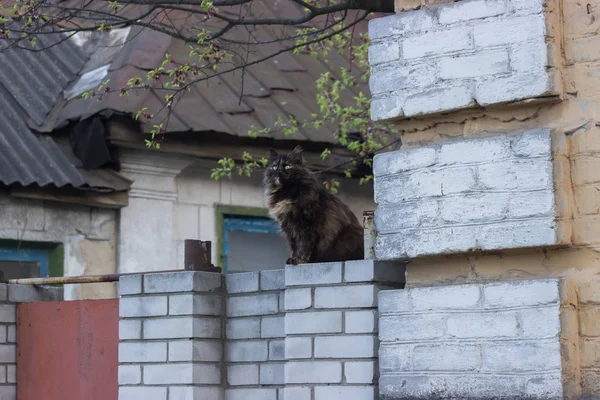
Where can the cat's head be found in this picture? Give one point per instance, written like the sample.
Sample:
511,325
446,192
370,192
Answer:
285,169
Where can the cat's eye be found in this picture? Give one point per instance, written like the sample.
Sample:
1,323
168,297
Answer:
288,167
274,167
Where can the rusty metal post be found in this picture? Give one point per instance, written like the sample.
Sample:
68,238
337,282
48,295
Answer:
370,234
197,256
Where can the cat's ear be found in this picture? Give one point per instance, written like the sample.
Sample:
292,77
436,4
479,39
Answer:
272,154
296,154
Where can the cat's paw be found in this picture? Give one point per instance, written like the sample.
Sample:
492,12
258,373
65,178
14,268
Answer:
290,261
295,261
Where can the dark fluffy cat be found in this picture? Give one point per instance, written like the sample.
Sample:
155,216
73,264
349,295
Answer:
317,225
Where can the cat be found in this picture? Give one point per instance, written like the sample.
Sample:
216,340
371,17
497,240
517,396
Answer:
316,224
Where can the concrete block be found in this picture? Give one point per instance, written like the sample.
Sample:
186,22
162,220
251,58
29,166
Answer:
185,281
251,394
483,325
411,327
345,392
272,327
477,65
355,346
521,293
242,282
393,301
470,10
384,52
374,271
130,284
438,100
313,372
195,350
132,352
130,374
252,351
520,357
313,274
360,372
144,306
181,374
298,299
196,393
245,374
313,322
243,328
142,392
259,304
272,279
195,304
356,296
182,328
298,347
11,333
360,322
130,329
272,374
8,353
277,350
32,293
445,297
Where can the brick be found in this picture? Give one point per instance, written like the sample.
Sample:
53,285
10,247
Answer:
521,293
3,374
130,284
32,293
3,334
272,327
383,108
411,327
141,392
272,279
446,357
346,296
277,350
313,274
313,322
272,374
391,219
359,372
11,373
130,329
145,306
383,53
585,169
535,143
298,299
251,394
515,87
246,374
195,393
297,393
510,30
445,297
355,346
344,392
431,43
393,301
540,322
394,162
531,204
589,322
438,100
242,282
589,291
590,353
528,6
243,328
517,234
298,347
281,297
181,374
260,304
182,327
3,291
545,387
395,357
398,77
530,174
195,304
246,351
517,357
8,313
8,353
185,281
374,271
475,151
532,55
142,352
130,374
469,10
196,350
383,27
313,372
477,65
587,199
360,322
12,334
483,325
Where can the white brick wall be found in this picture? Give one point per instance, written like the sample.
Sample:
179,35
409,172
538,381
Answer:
459,55
500,340
487,193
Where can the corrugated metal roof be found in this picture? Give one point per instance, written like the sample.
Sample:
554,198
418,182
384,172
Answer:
31,83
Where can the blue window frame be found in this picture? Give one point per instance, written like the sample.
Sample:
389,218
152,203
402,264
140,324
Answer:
26,255
232,223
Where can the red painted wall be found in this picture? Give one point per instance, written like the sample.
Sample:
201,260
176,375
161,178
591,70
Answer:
68,350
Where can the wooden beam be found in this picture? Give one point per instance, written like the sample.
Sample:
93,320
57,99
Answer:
112,200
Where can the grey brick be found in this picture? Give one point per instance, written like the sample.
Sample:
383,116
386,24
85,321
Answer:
522,293
395,357
389,107
313,322
394,162
272,374
438,100
242,282
251,394
532,55
383,53
260,304
185,281
141,392
196,393
355,346
360,322
491,324
297,392
346,296
395,218
3,334
11,374
446,357
515,87
521,357
313,372
542,322
434,43
130,329
245,374
272,327
277,350
469,10
145,306
8,353
250,351
130,374
32,293
195,304
531,204
272,279
313,274
532,143
360,372
411,327
397,78
298,347
445,297
374,271
142,352
384,27
3,291
298,299
181,374
196,350
12,333
509,30
345,392
243,328
130,284
182,327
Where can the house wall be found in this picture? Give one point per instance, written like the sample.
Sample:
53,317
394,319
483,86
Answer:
87,236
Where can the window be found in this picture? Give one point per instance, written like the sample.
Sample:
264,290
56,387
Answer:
23,263
249,241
